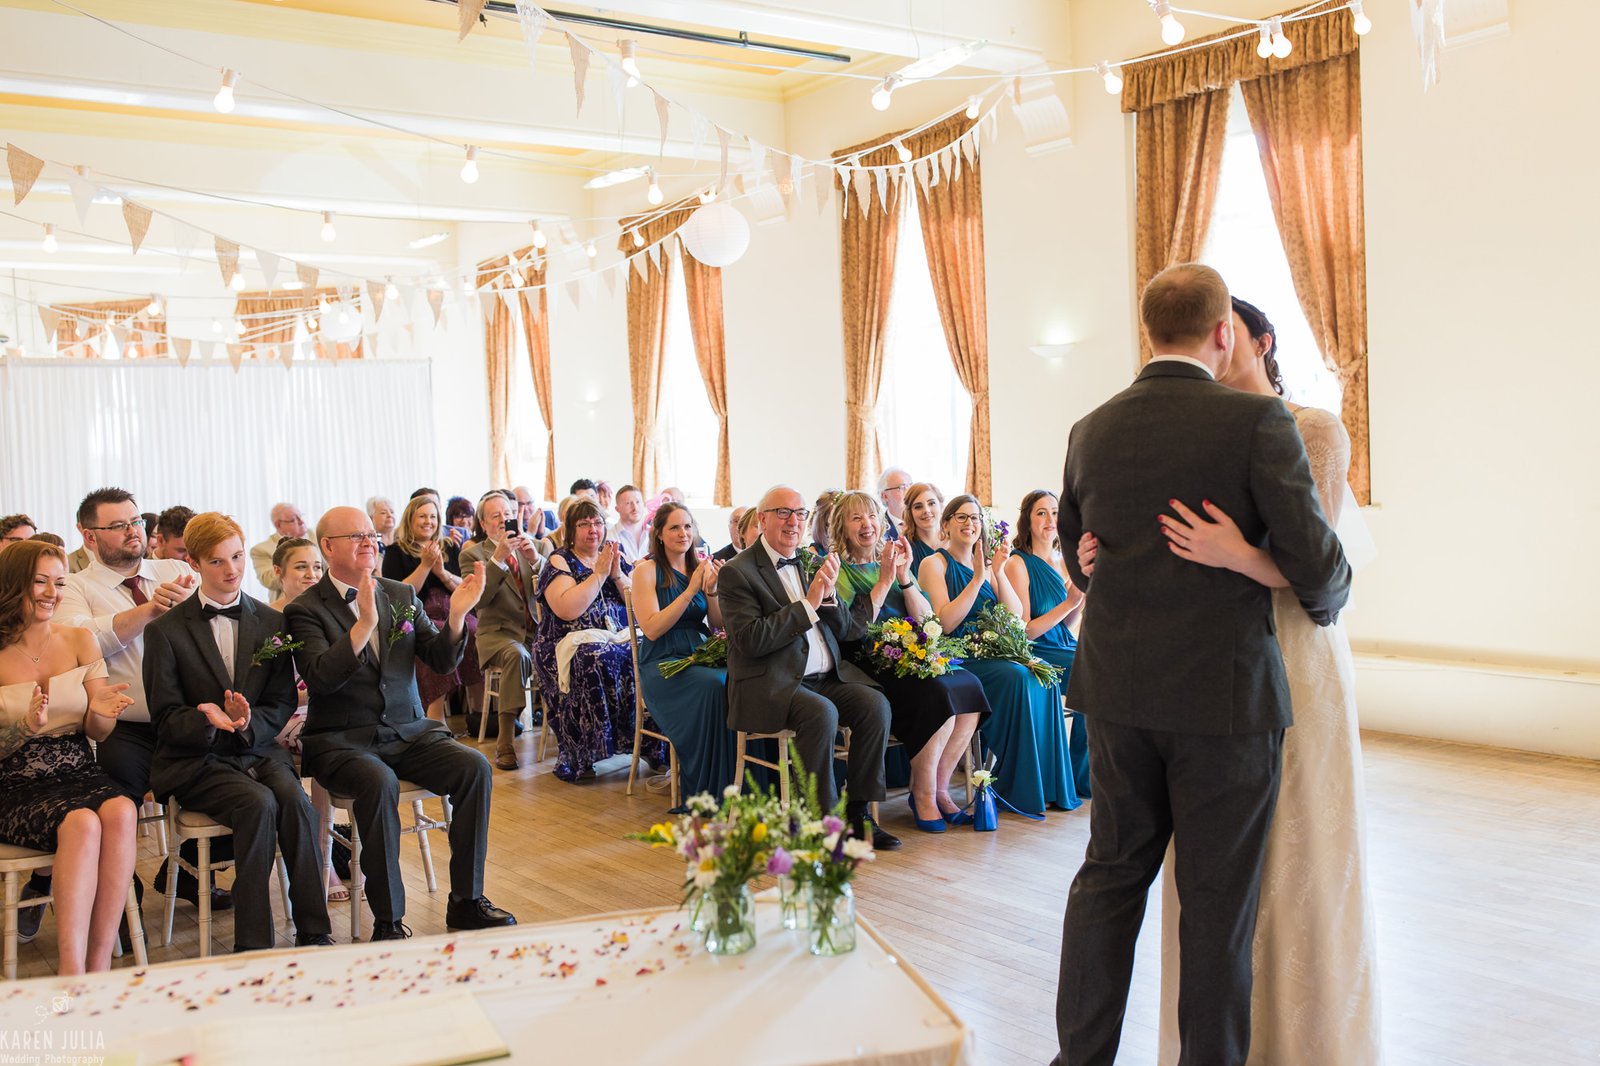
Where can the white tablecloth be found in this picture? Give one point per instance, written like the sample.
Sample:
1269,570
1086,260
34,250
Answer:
629,987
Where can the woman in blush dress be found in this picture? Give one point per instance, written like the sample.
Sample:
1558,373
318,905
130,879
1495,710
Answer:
691,707
924,504
424,558
54,699
1050,604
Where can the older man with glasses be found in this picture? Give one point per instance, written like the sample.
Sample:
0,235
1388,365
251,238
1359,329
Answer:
892,485
784,666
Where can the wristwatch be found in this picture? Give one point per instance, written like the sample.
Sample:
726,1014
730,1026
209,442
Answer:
907,585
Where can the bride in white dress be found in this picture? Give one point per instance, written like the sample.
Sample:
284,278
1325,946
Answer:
1315,995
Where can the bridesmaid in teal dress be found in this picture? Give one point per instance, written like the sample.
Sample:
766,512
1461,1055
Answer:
1050,604
1026,732
691,707
923,505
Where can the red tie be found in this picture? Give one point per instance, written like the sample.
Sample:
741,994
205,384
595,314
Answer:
139,598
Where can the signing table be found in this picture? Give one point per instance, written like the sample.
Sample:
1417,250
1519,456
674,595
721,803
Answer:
629,987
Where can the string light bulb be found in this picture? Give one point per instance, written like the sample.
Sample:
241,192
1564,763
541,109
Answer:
1113,78
1281,45
1363,25
216,325
1264,46
973,104
223,101
236,283
653,193
311,323
883,95
49,242
630,65
154,307
901,152
638,239
390,292
469,169
328,232
539,239
591,250
344,317
238,328
708,194
1171,29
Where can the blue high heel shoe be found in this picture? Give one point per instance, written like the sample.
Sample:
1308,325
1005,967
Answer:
958,818
936,825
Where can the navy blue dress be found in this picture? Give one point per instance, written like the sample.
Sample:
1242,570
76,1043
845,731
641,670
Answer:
1027,730
691,707
1047,590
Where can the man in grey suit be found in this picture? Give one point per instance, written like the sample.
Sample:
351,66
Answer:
511,568
784,667
1179,670
219,698
360,640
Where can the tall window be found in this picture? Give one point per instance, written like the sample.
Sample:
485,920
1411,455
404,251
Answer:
686,424
924,415
526,437
1243,244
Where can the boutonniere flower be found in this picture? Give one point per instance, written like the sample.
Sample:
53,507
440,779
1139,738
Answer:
403,624
274,646
810,563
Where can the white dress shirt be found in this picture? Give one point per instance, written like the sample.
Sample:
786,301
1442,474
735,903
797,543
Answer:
1183,359
634,547
226,632
355,609
93,597
818,658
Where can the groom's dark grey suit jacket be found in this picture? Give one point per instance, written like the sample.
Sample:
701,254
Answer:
1167,643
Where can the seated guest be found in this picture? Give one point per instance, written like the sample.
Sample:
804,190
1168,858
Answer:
584,487
1027,730
551,542
381,510
675,597
361,638
924,504
736,542
49,538
218,705
287,521
426,560
892,485
933,717
673,493
785,670
458,515
581,610
629,532
15,528
80,557
505,613
55,699
1050,604
605,496
168,541
150,520
534,519
819,521
298,566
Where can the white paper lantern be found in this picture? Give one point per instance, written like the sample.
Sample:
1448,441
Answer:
716,234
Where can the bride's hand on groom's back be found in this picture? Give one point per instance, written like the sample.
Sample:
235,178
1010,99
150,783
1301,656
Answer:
1088,547
1213,541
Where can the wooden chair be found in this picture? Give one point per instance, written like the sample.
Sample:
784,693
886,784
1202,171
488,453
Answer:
422,824
491,706
14,863
779,767
641,712
202,828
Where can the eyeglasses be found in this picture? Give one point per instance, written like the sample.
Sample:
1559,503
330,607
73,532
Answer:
786,513
966,519
117,527
590,523
359,538
897,488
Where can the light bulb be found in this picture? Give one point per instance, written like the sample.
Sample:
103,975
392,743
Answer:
630,65
328,232
344,317
638,239
901,152
469,169
49,242
708,194
1363,25
1264,46
390,292
238,328
154,307
1171,29
311,324
653,193
1282,46
1112,77
592,250
223,101
216,325
883,95
467,286
539,239
236,283
972,107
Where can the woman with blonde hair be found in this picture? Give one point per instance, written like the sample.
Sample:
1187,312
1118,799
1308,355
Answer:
427,560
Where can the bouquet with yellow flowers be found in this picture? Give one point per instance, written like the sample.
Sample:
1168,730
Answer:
996,633
911,648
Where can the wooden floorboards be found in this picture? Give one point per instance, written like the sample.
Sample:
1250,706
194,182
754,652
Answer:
1485,866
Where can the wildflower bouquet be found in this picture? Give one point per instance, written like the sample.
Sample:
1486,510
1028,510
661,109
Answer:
996,633
909,648
996,531
826,853
274,646
713,652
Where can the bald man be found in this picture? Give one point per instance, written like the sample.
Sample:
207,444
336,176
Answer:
287,521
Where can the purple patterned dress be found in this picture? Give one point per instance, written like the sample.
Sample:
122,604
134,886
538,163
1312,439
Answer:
593,720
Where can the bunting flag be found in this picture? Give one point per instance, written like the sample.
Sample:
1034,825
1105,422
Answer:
781,164
181,347
138,219
83,192
49,319
436,301
572,294
208,349
308,278
617,81
486,302
25,171
469,11
268,262
508,296
120,334
881,176
185,239
532,17
664,117
861,183
227,259
722,169
530,300
824,189
580,66
699,128
235,356
286,355
375,294
641,263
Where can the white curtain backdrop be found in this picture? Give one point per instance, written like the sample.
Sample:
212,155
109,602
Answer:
206,437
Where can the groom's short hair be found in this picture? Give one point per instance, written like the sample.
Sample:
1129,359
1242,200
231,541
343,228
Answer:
1182,304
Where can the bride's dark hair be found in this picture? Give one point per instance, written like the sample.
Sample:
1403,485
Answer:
1260,326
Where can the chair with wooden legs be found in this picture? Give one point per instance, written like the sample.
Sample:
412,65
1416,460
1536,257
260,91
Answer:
641,712
202,828
421,825
16,862
780,766
491,706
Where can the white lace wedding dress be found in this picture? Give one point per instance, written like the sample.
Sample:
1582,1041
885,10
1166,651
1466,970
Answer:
1315,995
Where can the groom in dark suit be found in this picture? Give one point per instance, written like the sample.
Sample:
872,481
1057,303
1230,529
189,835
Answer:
1179,669
218,698
784,666
361,638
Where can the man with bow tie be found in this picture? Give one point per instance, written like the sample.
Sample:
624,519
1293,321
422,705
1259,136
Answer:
784,666
219,693
361,638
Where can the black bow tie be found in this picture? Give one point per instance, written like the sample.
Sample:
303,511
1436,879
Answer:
349,595
211,612
795,562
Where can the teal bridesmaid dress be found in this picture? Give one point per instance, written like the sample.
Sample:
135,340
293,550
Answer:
1058,647
691,707
1026,730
